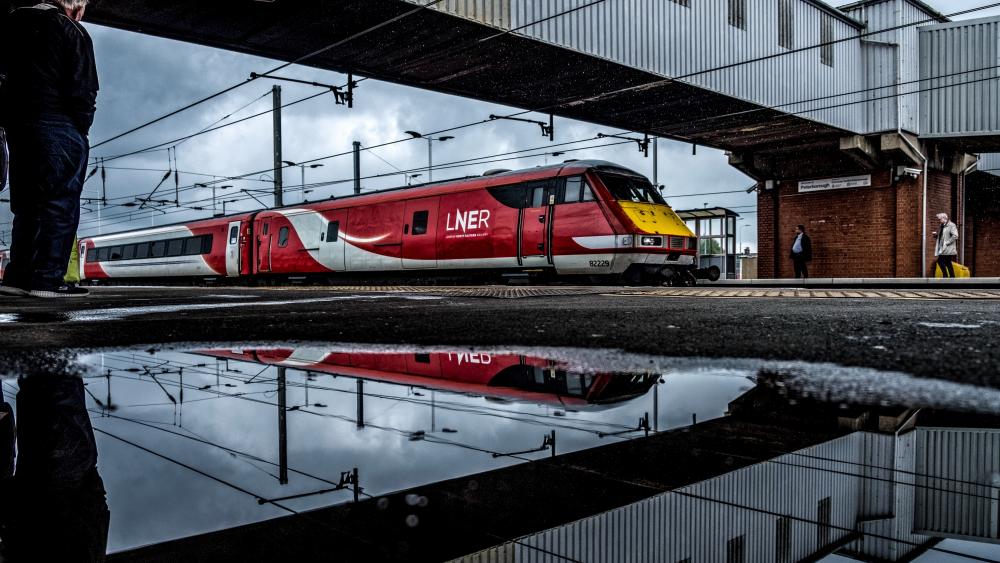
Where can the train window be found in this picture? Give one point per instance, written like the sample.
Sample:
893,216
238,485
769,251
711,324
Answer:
332,231
159,249
192,246
283,237
206,244
422,358
586,192
631,188
92,255
573,189
266,225
128,252
419,222
142,250
103,253
511,196
116,253
175,247
538,197
234,233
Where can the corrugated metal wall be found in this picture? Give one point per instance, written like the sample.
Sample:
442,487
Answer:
882,54
494,13
958,482
700,522
669,39
990,163
969,109
890,484
672,40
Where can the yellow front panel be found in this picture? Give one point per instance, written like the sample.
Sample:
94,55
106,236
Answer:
655,219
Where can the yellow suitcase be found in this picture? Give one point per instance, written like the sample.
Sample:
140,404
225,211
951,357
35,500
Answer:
960,271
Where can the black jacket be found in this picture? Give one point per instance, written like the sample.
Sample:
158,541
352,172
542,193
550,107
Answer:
48,61
807,248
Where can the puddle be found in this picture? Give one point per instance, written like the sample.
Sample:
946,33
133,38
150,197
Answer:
206,438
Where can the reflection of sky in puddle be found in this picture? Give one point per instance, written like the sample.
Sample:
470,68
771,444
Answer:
416,430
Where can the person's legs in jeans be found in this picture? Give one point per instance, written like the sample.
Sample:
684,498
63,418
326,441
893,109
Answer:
24,153
947,269
59,181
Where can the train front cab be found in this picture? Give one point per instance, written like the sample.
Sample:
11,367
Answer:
654,245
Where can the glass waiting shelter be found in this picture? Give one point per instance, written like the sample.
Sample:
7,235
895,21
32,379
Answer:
716,230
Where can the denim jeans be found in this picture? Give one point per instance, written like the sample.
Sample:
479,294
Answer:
48,162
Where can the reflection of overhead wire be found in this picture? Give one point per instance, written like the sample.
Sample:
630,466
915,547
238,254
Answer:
189,467
196,438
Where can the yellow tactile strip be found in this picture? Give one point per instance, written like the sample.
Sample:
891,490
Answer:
520,292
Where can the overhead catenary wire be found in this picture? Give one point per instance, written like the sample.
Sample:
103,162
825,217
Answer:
211,129
810,110
278,68
458,164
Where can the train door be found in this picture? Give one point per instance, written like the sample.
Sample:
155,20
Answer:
331,244
420,233
264,245
233,249
536,225
83,259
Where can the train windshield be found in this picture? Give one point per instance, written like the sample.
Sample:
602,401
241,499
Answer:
631,188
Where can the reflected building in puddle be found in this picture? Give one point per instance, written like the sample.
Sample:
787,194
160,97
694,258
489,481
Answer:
889,490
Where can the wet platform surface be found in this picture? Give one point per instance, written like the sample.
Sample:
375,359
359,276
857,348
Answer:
935,333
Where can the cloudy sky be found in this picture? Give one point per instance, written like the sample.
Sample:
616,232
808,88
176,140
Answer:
144,77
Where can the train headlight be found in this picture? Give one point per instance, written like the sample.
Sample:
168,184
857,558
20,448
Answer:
650,241
625,241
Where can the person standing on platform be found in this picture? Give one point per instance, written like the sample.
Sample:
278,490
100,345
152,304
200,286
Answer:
48,97
946,248
802,252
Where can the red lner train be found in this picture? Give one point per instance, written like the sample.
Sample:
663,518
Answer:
583,218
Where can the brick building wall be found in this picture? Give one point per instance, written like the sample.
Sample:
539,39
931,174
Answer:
984,254
871,231
982,240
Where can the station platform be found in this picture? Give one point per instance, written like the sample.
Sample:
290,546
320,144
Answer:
863,283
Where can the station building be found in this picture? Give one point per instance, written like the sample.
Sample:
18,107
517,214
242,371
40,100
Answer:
920,146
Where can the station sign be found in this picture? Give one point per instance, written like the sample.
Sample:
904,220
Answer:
835,183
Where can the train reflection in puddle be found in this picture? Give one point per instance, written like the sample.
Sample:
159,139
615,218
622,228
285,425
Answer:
786,461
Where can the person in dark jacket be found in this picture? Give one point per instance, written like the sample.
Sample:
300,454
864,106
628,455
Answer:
802,252
48,95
